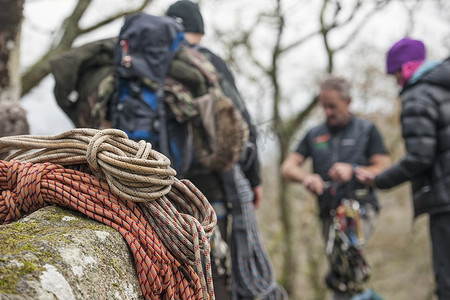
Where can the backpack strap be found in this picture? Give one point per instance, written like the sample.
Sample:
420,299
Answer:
194,89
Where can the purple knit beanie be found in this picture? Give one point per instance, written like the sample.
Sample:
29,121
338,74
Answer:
404,51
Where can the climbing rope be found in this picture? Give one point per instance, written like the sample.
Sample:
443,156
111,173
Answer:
134,171
252,272
180,217
176,220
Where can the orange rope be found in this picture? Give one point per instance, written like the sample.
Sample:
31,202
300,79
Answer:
26,187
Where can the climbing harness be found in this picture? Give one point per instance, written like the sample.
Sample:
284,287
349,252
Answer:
166,222
349,269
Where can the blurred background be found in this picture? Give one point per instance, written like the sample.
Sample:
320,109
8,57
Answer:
278,50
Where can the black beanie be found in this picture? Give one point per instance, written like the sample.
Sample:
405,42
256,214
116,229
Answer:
189,12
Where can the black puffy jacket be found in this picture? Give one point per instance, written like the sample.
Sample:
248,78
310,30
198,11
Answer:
425,122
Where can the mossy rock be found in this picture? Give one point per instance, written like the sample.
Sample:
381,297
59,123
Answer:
56,253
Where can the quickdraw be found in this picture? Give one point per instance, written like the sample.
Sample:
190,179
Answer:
349,269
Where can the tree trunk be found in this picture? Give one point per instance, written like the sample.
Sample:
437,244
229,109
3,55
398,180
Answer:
10,20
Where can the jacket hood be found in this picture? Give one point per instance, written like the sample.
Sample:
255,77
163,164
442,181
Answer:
434,73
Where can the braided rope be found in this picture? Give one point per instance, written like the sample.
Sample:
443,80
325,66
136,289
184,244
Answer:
181,216
252,275
176,221
27,187
134,171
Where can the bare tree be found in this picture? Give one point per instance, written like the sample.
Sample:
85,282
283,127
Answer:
10,19
69,31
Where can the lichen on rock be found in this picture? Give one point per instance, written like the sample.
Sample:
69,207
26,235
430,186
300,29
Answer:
57,253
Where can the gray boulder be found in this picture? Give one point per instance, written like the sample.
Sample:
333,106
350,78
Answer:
56,253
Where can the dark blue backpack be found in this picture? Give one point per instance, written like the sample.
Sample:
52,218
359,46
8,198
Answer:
146,47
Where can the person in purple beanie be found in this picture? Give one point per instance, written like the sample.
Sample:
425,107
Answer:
425,119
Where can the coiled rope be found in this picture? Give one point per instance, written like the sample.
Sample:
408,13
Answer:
134,171
252,272
175,212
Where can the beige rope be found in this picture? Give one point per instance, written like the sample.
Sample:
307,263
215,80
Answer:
134,171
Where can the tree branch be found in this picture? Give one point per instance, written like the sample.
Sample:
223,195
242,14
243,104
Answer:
63,41
380,5
115,17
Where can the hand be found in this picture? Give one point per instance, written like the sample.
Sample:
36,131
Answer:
314,183
257,196
341,172
366,177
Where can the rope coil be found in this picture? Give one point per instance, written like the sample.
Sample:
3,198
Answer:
183,221
174,212
134,171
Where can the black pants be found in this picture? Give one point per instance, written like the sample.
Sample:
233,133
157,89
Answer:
440,243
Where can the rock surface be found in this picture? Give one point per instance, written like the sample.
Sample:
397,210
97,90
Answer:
56,253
